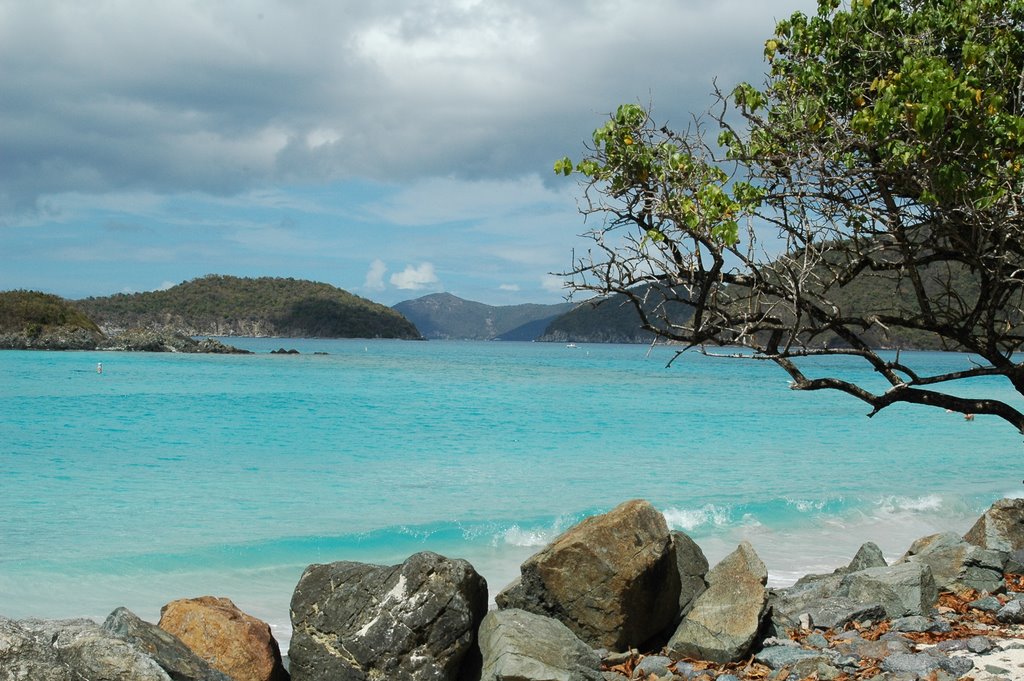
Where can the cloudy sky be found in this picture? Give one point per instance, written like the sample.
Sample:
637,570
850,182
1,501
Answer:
392,149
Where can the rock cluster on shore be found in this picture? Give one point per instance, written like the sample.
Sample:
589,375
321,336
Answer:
131,340
617,598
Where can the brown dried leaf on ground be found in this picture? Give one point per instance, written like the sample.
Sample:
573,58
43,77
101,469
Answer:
1014,582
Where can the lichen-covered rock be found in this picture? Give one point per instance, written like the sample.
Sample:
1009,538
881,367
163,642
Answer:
231,641
173,656
726,619
520,645
612,579
25,657
956,564
901,589
411,622
90,652
1000,528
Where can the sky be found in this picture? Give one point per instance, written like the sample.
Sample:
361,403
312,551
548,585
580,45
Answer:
392,149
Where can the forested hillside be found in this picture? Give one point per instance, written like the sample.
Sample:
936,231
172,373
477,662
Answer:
224,306
615,320
33,312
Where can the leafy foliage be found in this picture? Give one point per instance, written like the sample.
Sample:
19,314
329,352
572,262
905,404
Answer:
868,193
34,313
223,305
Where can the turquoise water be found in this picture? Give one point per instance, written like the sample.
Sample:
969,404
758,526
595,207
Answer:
170,476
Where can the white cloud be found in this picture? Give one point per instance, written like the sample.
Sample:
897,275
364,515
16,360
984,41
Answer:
509,287
415,278
375,276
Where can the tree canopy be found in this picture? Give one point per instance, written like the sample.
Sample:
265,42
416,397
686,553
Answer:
885,146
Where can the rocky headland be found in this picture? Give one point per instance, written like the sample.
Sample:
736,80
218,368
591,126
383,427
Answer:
131,340
619,597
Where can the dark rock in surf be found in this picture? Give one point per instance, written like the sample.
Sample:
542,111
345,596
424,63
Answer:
411,622
693,570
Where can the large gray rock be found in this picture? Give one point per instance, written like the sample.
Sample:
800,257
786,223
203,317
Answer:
902,589
726,619
520,646
90,652
1000,528
25,657
956,564
693,570
612,579
807,595
411,622
867,556
167,650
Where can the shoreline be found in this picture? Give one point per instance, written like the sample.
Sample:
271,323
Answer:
788,554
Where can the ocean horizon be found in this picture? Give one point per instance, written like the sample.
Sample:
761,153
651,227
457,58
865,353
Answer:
169,476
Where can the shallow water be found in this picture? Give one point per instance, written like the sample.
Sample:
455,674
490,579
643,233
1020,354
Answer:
169,476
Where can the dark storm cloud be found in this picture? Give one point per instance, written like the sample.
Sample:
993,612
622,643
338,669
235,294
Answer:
221,97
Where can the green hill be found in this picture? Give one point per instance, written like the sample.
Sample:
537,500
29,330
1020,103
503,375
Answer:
30,319
442,315
235,306
32,312
612,319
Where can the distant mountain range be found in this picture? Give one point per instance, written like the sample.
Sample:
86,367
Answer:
445,316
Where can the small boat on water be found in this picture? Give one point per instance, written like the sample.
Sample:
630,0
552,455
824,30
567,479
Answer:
570,345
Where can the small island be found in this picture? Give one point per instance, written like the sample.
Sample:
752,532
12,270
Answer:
171,320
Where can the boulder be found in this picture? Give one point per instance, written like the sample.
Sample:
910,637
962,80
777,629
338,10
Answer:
1000,528
86,651
520,645
726,619
800,661
612,579
836,612
956,564
902,589
868,556
804,597
693,568
231,641
173,656
410,622
26,657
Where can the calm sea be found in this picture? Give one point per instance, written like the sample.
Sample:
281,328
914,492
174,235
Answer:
170,476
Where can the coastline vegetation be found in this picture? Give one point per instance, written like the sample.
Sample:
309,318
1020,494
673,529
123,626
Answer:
265,306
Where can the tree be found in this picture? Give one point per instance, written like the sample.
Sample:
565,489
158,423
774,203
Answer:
868,192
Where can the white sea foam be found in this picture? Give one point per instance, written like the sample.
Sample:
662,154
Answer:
517,536
687,519
806,505
898,504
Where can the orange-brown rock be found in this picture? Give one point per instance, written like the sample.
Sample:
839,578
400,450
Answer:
231,641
